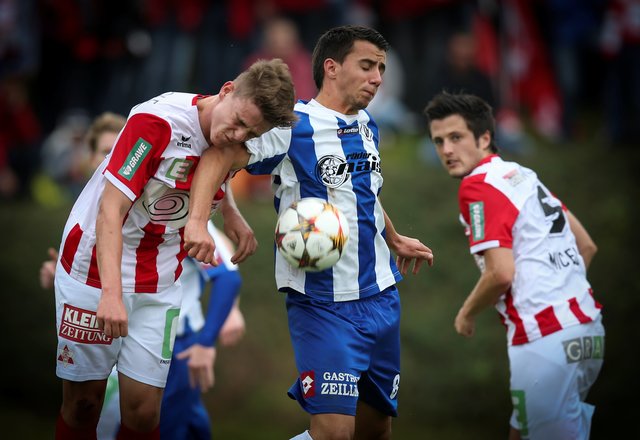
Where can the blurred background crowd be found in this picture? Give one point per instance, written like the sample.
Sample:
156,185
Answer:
541,63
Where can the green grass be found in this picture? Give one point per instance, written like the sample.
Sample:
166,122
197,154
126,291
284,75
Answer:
451,387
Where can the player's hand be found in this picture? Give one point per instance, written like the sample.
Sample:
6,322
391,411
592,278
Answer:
465,324
198,242
233,328
200,362
112,316
410,250
48,269
239,231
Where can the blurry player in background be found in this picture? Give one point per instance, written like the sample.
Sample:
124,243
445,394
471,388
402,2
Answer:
184,416
122,246
100,138
344,322
534,255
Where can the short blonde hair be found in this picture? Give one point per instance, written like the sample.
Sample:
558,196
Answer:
106,122
269,86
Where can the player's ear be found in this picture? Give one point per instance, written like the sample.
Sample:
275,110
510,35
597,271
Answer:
226,88
330,67
484,140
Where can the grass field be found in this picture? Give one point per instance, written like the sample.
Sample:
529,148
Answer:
451,388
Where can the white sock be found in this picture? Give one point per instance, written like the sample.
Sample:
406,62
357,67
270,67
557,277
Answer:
304,436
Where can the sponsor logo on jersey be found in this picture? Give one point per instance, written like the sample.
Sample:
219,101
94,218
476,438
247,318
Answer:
308,382
363,129
171,206
333,171
514,177
179,169
347,130
65,356
588,347
135,158
81,325
184,142
366,132
339,384
476,217
170,330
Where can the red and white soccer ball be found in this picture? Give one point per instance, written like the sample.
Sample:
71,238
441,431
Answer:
311,234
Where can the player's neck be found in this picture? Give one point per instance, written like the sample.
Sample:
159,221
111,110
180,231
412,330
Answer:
335,102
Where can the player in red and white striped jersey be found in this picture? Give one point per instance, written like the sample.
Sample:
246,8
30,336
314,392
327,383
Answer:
117,295
533,254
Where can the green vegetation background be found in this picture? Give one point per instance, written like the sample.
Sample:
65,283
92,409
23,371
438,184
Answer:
451,388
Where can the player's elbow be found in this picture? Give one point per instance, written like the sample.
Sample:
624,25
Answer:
503,278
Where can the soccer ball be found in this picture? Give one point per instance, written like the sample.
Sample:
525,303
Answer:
311,234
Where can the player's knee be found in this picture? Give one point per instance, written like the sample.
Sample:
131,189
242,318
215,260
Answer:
82,410
143,417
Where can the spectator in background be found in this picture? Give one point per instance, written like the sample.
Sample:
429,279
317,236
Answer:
64,155
280,39
571,30
19,137
620,45
387,107
460,72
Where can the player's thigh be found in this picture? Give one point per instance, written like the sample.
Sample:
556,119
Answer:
146,352
379,385
331,353
84,352
548,377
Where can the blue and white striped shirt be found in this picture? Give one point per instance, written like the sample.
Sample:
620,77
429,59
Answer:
334,157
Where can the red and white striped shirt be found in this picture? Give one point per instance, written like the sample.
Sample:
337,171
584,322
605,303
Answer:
152,163
503,204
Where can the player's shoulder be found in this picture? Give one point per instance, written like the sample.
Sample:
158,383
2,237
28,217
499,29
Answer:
166,105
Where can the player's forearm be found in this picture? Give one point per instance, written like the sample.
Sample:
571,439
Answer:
112,211
485,294
224,291
213,168
495,280
391,235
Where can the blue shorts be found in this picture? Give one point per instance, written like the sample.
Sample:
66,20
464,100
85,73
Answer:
346,351
184,415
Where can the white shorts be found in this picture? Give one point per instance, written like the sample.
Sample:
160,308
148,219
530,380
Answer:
550,379
86,353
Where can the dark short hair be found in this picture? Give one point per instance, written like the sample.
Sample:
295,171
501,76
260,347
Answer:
269,86
338,42
475,111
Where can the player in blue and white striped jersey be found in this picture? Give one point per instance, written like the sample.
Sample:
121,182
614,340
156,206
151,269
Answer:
344,321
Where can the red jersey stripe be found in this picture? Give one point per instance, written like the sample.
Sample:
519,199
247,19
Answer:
547,321
93,277
575,308
520,334
147,258
71,247
596,303
181,255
